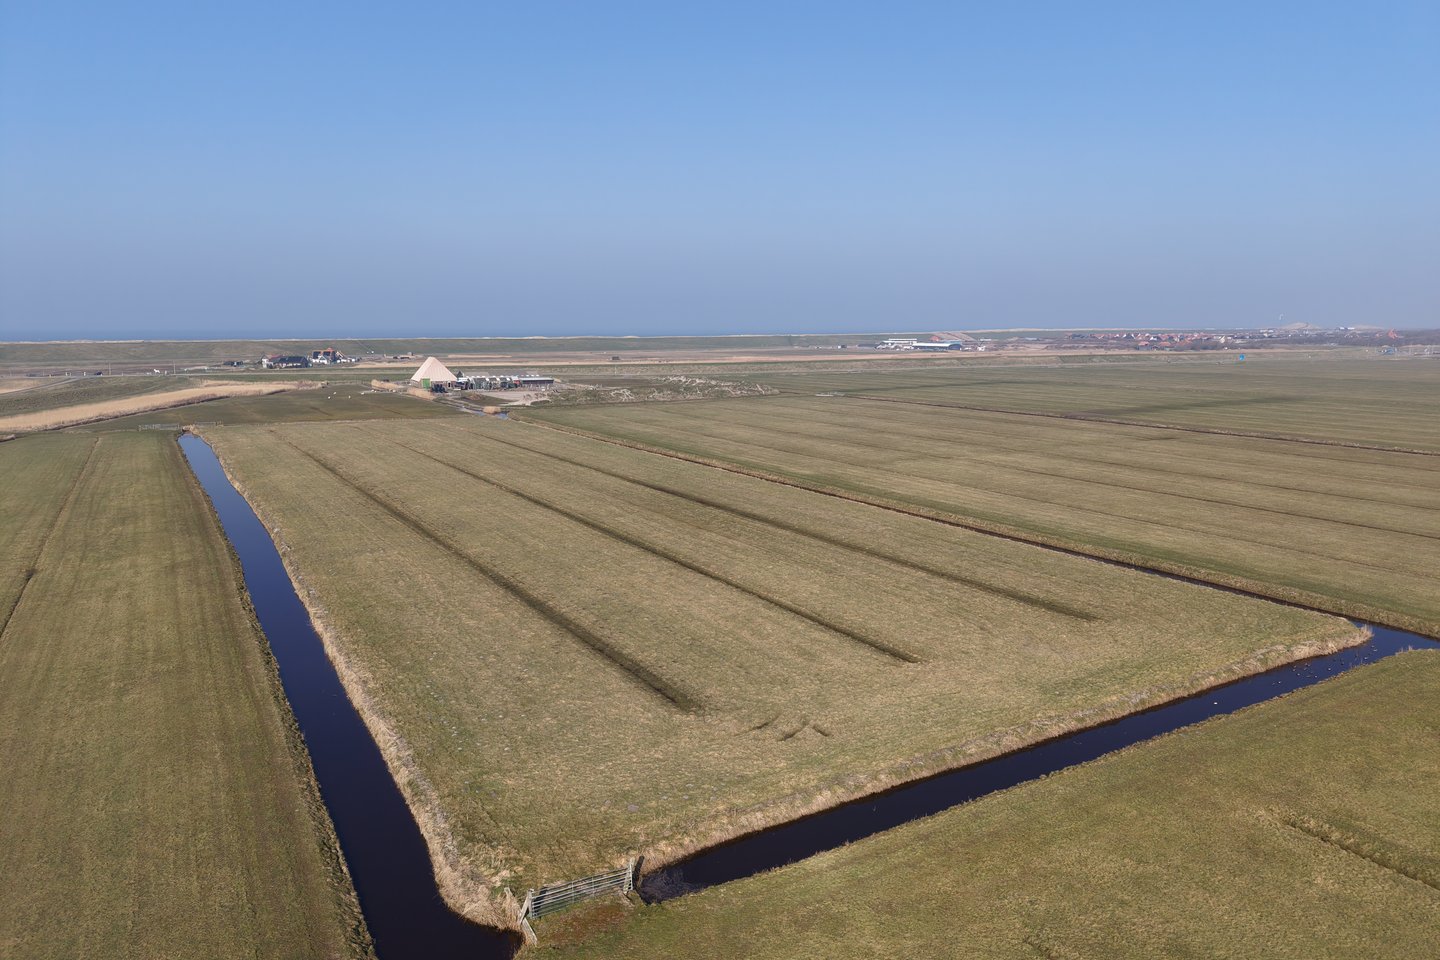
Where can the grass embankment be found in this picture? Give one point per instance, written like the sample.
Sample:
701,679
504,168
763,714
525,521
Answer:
1303,827
331,401
570,650
86,401
43,394
1352,531
157,802
1371,401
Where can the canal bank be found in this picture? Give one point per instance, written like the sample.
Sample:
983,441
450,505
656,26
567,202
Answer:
387,855
384,850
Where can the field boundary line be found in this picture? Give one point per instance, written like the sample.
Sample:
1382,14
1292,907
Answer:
467,889
1003,442
976,486
1371,853
298,752
33,569
1200,576
1095,418
1017,596
877,645
672,693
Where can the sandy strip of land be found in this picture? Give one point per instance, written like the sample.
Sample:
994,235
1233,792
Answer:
109,409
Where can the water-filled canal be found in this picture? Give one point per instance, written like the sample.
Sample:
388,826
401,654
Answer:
387,856
383,847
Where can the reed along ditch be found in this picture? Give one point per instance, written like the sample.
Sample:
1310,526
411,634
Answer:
386,853
384,850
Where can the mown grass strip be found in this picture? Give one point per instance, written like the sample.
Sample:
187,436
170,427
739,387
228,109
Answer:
1019,596
1068,545
1096,418
643,676
878,646
33,568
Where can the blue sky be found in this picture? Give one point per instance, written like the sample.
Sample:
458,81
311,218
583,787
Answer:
469,169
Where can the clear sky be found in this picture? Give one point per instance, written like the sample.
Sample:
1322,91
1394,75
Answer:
204,169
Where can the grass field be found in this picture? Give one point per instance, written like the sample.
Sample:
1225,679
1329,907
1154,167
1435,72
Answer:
333,401
119,398
571,651
1350,530
156,801
1303,827
38,395
1383,401
78,353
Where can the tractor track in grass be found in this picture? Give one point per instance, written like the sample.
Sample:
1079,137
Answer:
1188,573
671,693
1095,418
1016,596
878,646
34,567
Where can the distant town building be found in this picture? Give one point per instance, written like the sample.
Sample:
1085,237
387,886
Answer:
278,361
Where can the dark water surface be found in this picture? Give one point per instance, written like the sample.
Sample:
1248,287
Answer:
387,855
862,818
384,850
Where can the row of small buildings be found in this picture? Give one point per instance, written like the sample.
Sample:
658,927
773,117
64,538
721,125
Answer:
316,358
435,376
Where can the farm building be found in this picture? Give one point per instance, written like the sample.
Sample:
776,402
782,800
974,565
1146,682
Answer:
433,373
276,361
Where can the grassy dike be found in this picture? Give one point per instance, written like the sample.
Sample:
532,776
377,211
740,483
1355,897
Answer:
1303,827
158,800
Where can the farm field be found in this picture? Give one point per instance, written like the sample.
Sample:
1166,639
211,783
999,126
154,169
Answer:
333,401
1380,401
1307,826
156,801
1349,530
571,651
25,396
79,402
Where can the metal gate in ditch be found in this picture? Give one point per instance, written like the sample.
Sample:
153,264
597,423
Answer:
558,896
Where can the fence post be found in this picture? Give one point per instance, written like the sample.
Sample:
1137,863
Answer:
525,927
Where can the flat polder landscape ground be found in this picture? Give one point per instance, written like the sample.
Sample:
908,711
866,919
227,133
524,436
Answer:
1304,827
1352,530
1388,401
572,651
156,801
62,402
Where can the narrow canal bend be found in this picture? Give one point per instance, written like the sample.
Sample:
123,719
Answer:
383,847
838,826
386,853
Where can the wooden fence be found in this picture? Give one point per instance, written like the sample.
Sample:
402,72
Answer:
558,896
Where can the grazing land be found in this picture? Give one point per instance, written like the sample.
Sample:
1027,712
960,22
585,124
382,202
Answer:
36,395
330,401
1354,531
1373,401
1303,827
77,402
571,651
157,801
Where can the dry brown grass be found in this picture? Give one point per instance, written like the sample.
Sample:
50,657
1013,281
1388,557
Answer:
110,409
1347,530
460,572
1304,827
